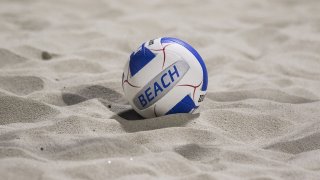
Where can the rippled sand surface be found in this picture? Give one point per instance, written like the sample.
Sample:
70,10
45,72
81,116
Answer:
63,114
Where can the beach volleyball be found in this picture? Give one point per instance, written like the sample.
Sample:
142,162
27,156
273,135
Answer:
165,76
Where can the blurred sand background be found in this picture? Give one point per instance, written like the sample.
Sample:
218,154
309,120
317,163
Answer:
63,115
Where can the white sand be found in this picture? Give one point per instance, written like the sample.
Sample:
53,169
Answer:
63,115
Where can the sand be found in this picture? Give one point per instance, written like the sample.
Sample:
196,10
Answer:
63,114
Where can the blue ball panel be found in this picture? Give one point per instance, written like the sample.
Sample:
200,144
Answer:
195,53
140,59
184,106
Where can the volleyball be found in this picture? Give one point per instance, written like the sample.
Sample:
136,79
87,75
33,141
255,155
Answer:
165,76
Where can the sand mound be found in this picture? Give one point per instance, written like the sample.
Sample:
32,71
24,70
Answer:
21,85
20,110
9,58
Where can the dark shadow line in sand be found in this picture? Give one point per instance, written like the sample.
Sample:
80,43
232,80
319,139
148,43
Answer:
72,99
131,122
75,95
130,115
